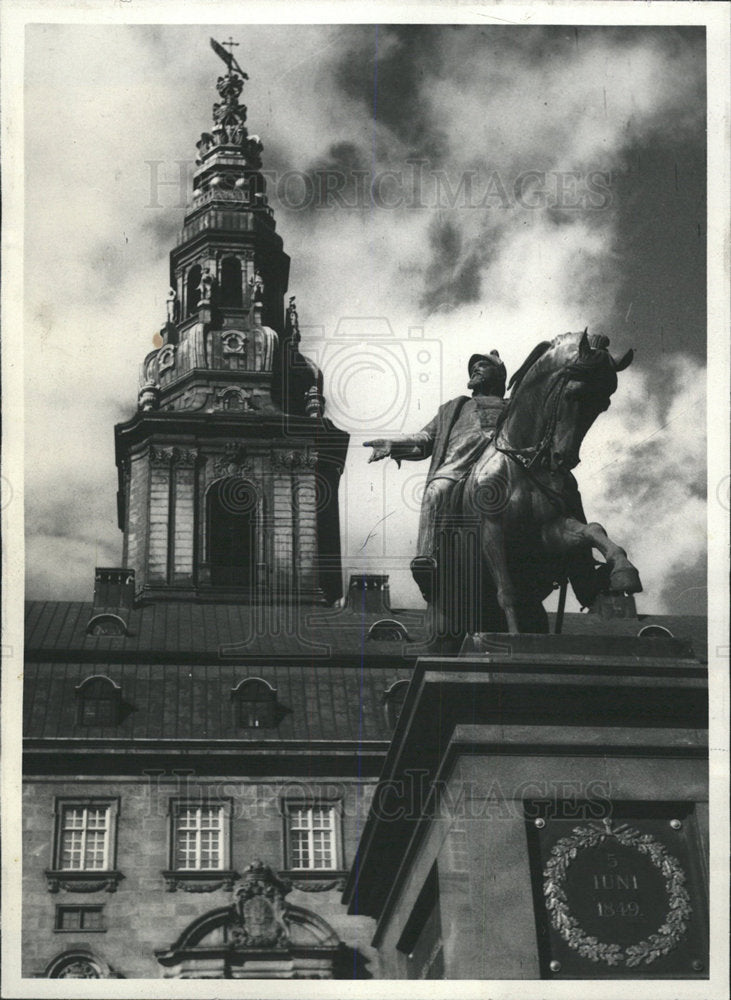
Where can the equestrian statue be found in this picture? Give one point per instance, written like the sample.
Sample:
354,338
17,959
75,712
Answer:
502,522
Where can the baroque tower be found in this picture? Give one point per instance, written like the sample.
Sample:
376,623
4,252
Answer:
229,471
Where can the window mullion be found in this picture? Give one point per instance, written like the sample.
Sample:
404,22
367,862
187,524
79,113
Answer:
311,835
198,838
84,821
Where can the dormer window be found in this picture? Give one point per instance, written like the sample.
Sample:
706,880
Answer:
98,702
388,630
255,704
393,700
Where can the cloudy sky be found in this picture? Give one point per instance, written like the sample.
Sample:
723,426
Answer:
440,190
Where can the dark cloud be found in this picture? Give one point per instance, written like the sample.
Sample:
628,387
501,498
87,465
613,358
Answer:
338,178
452,277
661,239
388,69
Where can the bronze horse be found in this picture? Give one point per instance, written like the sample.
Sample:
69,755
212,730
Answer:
521,495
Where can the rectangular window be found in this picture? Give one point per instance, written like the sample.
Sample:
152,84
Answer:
80,918
200,836
85,836
312,836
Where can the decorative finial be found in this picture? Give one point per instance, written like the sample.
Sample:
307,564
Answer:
228,57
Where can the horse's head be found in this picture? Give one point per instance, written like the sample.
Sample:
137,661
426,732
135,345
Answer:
567,383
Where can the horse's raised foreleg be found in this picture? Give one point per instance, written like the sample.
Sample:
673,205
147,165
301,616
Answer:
565,534
493,550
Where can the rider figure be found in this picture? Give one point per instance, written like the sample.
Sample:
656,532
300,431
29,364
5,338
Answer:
454,439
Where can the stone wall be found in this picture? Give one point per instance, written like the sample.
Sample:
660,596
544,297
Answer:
143,915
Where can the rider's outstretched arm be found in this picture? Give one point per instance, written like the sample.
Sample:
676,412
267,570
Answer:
410,448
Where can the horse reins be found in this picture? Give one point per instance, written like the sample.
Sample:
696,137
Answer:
526,458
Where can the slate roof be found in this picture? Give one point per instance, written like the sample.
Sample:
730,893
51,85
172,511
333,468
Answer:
171,702
177,668
196,632
192,631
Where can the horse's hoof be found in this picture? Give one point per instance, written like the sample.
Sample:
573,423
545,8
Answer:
625,580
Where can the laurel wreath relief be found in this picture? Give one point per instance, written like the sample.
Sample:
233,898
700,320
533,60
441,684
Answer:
658,944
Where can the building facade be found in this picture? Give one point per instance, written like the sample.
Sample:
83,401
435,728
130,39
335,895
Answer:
203,741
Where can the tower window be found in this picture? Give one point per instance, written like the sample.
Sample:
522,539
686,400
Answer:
232,504
98,702
192,289
255,704
231,289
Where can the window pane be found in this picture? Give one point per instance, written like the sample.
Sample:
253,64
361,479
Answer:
300,853
83,842
69,918
312,837
73,817
91,919
199,837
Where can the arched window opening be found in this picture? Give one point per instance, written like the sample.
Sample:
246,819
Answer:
393,701
255,704
192,289
231,290
232,507
98,702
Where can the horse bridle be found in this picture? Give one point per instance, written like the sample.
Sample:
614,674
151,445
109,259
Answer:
527,457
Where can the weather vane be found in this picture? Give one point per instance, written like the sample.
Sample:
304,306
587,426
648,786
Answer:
228,57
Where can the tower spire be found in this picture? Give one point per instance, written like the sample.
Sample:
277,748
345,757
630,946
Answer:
228,57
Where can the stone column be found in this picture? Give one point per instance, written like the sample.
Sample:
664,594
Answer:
183,514
157,558
281,524
136,533
305,513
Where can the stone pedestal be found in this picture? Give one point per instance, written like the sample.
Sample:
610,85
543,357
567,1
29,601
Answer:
543,814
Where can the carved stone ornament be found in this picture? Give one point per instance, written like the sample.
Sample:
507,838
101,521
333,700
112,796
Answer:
291,460
233,397
259,907
80,968
185,456
195,881
160,457
234,343
335,883
234,462
668,934
192,399
83,881
166,358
